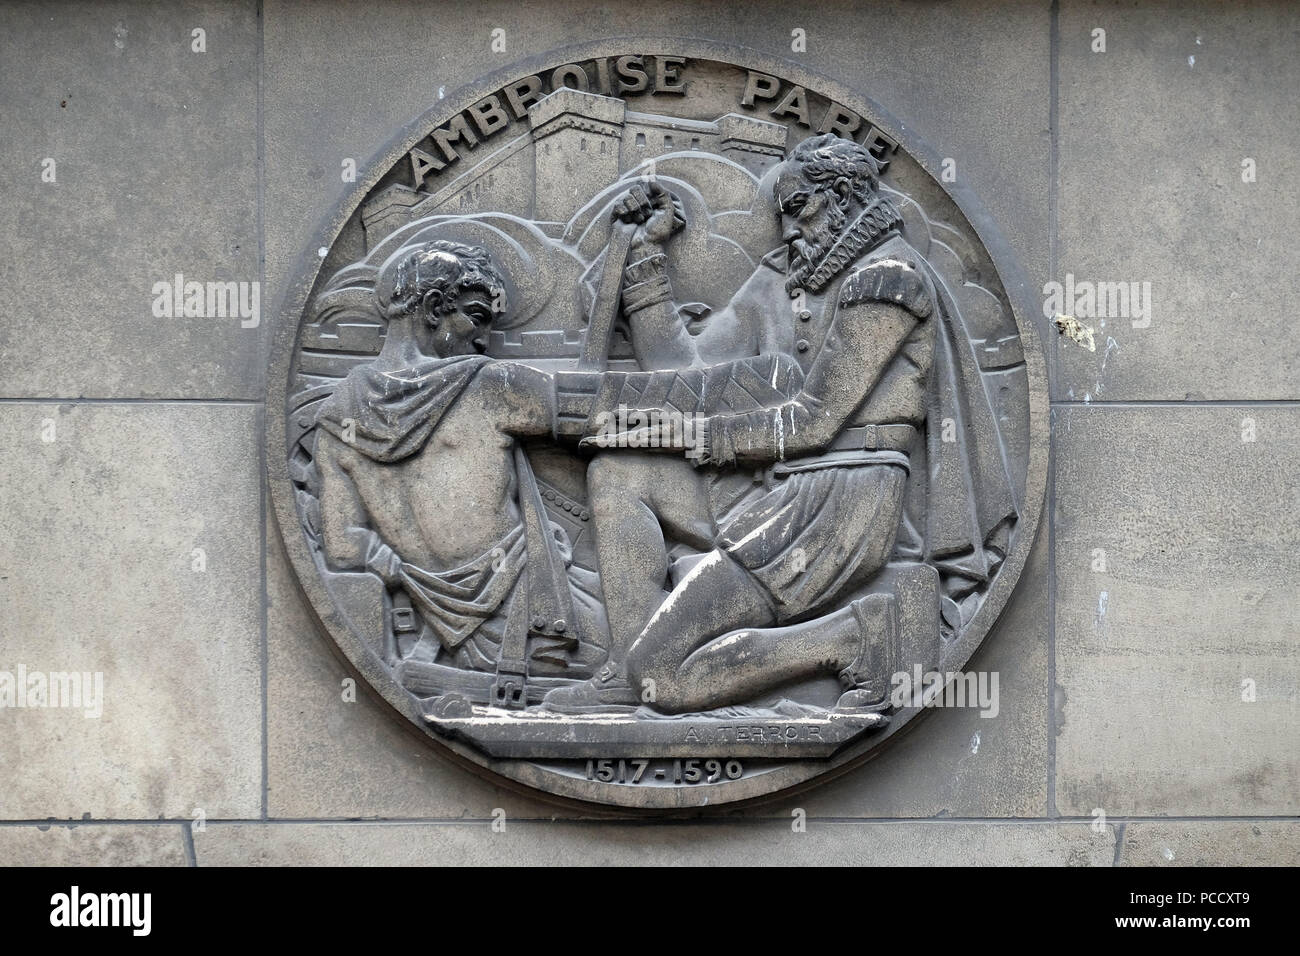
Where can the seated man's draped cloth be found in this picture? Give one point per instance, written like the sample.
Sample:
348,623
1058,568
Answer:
393,413
389,415
454,603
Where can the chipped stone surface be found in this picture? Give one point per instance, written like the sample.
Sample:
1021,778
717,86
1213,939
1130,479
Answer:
1074,330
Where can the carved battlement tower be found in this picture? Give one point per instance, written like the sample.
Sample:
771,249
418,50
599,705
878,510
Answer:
576,139
576,143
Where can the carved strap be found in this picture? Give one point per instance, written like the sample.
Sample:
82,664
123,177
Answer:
899,437
595,343
645,282
545,607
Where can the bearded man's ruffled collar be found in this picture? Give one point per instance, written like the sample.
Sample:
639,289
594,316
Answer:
877,220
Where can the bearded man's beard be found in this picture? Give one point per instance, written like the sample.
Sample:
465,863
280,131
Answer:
807,253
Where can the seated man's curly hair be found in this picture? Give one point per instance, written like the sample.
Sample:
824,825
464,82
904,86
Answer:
432,276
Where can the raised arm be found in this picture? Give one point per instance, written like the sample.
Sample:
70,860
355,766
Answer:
659,338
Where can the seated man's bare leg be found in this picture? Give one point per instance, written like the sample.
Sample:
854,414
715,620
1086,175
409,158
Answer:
635,497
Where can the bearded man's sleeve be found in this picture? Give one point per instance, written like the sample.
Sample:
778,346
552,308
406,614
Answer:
591,404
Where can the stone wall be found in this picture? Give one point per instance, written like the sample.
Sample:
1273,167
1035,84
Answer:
1148,662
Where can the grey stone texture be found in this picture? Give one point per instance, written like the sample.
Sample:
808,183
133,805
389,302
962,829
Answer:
1210,843
1177,665
542,843
102,529
1153,135
91,844
1132,704
155,164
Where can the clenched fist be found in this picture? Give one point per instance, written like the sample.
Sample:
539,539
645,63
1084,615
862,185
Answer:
656,212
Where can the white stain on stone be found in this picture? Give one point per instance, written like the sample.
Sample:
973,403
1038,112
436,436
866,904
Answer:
975,744
741,543
1111,346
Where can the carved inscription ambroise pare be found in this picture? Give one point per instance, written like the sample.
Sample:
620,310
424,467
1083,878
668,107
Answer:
649,418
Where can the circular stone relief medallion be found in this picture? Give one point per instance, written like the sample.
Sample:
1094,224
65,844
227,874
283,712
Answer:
655,427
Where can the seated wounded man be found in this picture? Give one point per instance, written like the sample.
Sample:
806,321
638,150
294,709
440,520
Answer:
422,472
